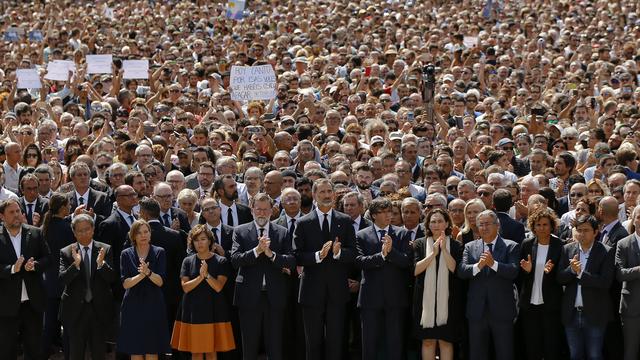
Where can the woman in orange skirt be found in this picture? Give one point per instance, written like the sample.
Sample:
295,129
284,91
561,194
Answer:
203,323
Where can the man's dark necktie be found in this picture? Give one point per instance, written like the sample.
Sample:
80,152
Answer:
131,219
81,200
30,214
167,220
382,234
325,227
261,232
410,235
490,246
603,236
215,235
292,228
86,267
229,217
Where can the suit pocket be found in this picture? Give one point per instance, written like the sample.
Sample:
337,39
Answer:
239,279
625,292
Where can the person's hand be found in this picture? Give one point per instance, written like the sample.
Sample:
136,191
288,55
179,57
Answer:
387,244
77,258
30,265
143,268
483,261
325,249
286,271
336,246
442,240
526,264
79,210
521,209
175,224
488,258
436,247
575,264
100,259
548,266
354,285
204,269
265,242
218,249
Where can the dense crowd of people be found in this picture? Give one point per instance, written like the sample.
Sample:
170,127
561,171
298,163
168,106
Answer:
453,179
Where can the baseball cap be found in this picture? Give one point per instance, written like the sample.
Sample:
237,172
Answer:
377,139
504,141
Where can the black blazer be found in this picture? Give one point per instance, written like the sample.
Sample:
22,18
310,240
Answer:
98,201
32,246
328,278
114,231
617,232
42,206
364,223
595,283
252,269
384,281
563,206
628,272
93,183
58,236
551,289
510,229
244,214
74,285
175,249
177,213
489,289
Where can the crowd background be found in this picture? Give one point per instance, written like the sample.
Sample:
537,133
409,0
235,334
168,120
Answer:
534,117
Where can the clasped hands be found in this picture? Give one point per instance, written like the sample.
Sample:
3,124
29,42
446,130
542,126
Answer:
264,246
333,246
486,259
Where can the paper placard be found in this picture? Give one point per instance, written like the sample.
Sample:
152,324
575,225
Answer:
28,79
470,41
235,9
253,83
135,69
58,70
99,64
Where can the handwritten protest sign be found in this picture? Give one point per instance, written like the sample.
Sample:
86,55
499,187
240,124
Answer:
253,83
136,69
58,70
99,64
28,79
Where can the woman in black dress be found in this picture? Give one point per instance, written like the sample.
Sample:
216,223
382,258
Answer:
436,306
203,324
143,329
56,230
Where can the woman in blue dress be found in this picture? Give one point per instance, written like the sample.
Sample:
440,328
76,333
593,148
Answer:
143,326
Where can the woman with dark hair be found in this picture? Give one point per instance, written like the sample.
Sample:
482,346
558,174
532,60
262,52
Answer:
203,323
56,230
540,293
550,195
557,146
143,323
72,149
31,156
438,294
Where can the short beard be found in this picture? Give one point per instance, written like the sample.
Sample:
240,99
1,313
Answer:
262,221
363,186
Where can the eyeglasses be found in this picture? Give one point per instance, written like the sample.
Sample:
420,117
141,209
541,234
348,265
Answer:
568,138
34,156
452,187
149,174
210,208
27,133
163,197
484,193
166,131
573,195
175,91
250,159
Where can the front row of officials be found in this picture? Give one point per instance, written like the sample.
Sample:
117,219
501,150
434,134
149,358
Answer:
321,251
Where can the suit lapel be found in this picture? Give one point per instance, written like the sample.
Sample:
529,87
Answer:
635,249
94,258
334,226
24,240
534,254
90,200
253,233
5,239
499,249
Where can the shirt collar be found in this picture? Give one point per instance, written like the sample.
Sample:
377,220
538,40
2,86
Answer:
357,220
18,235
219,227
266,227
610,226
297,216
85,195
321,214
225,207
378,228
90,246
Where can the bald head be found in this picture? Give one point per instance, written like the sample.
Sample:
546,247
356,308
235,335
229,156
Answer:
608,209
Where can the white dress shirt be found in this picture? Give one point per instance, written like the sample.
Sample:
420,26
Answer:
356,223
126,217
378,229
584,257
321,219
11,175
16,241
218,231
234,211
541,260
85,197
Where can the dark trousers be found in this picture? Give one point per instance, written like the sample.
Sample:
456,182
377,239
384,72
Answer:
87,331
293,329
374,321
500,330
353,334
542,332
584,340
321,320
631,332
26,328
51,331
265,320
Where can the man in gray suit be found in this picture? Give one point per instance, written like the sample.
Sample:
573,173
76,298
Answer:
628,272
491,265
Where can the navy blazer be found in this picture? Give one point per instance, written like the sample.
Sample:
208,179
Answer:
384,280
510,229
628,272
490,289
328,278
595,282
551,289
252,269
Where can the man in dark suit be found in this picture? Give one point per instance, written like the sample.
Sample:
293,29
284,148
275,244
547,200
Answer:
293,325
612,231
86,307
509,228
262,254
175,249
233,213
169,214
83,195
325,246
33,205
384,255
411,212
586,271
628,273
24,256
491,265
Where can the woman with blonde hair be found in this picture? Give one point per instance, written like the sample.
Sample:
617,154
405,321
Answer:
469,231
